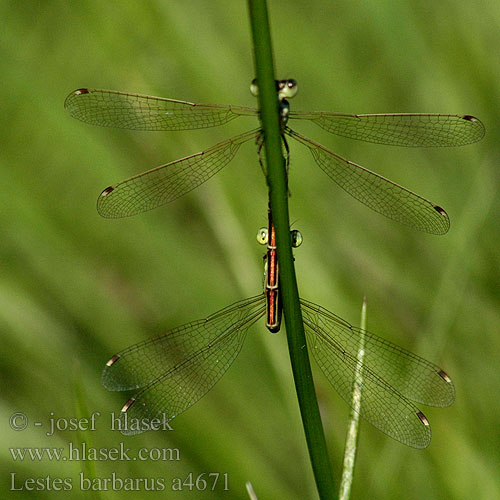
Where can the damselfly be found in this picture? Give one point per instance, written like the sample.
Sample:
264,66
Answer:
163,184
172,372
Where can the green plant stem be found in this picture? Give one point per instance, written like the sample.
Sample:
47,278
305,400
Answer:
278,195
351,442
250,491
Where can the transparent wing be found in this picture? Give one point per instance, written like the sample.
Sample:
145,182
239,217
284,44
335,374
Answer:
391,376
377,192
111,108
412,376
402,129
180,367
168,182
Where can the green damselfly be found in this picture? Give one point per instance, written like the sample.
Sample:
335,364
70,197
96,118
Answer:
168,182
172,372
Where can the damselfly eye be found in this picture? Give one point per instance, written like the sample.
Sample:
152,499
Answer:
297,238
254,87
263,236
289,88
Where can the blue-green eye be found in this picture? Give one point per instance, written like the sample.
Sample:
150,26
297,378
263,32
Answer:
297,238
254,87
263,236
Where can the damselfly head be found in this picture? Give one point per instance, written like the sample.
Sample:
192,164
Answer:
295,235
285,88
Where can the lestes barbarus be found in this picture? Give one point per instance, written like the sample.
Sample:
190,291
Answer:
163,184
172,372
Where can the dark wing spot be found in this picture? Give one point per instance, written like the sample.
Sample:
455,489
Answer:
107,191
113,360
470,118
442,211
421,416
444,375
82,91
128,404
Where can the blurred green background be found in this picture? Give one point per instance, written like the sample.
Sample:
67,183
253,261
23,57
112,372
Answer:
75,288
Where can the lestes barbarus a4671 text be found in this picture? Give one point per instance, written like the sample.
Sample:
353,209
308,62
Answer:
172,372
168,182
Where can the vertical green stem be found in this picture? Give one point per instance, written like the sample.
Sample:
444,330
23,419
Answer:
278,195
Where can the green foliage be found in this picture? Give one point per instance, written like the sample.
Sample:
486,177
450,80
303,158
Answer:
75,288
